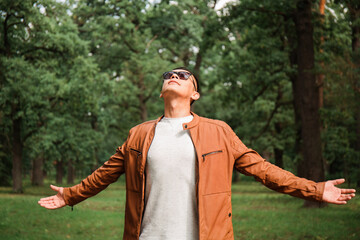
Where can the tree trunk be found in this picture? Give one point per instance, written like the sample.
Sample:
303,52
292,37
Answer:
37,171
70,172
278,153
143,108
306,97
291,39
354,17
94,125
142,98
236,176
320,77
198,63
279,157
17,155
59,172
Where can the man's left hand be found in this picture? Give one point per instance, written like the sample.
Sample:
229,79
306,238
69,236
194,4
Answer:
337,195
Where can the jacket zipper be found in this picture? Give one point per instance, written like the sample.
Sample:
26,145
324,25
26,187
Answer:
138,152
204,155
143,190
197,180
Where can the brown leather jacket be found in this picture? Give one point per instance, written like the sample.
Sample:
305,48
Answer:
218,151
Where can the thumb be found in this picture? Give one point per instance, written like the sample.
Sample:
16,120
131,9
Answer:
58,189
338,181
55,188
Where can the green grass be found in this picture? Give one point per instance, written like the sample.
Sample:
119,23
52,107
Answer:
258,213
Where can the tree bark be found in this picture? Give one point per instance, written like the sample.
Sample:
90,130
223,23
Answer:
354,9
142,98
320,77
306,99
143,108
198,63
278,153
59,172
17,155
291,41
70,172
236,176
279,157
37,171
94,125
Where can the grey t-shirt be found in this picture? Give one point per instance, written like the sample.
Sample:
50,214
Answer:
170,198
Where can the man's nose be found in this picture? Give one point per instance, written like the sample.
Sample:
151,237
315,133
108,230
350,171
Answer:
174,76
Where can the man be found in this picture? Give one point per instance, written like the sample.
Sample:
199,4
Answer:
178,172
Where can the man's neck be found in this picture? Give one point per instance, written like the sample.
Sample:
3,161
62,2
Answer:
176,108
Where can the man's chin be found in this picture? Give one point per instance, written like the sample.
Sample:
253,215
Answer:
172,92
171,88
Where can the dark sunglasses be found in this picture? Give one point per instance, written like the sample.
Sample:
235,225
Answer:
181,75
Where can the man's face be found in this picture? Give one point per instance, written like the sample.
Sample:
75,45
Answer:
182,88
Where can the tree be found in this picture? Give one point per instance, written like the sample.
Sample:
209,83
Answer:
40,50
354,12
281,50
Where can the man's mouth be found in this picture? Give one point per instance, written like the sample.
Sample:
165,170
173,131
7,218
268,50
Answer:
173,81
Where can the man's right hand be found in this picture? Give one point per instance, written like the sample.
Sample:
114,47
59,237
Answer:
54,202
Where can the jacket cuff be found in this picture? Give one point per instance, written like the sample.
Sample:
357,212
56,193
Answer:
66,195
319,191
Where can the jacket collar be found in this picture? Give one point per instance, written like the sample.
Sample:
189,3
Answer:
188,125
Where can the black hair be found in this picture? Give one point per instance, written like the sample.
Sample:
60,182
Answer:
196,80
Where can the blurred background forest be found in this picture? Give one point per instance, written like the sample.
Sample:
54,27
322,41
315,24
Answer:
76,75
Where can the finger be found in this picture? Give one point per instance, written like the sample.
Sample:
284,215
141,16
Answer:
49,203
348,190
49,206
46,204
55,188
338,181
53,207
344,198
47,199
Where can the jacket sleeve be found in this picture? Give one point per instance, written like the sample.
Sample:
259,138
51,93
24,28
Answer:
108,173
250,163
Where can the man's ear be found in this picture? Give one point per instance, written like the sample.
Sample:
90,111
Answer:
195,96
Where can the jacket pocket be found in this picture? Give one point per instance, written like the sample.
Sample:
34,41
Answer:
204,156
217,215
133,164
138,158
216,172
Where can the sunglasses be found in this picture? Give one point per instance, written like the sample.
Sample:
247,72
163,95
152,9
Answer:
181,75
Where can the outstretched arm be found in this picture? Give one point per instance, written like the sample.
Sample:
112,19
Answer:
55,201
251,163
337,195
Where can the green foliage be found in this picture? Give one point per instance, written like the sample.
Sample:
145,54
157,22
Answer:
340,97
80,74
254,75
49,84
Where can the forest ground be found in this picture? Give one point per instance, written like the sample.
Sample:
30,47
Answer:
258,213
